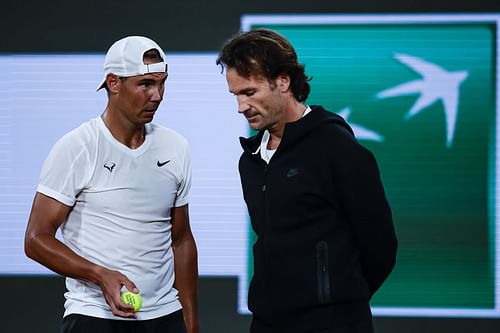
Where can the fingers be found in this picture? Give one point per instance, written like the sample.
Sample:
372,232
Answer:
120,309
130,286
111,283
117,306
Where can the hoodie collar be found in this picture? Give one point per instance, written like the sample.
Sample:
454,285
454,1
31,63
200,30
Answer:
296,130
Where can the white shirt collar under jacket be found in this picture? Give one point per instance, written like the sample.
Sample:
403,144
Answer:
267,154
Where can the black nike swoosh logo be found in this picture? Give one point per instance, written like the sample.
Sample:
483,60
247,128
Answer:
292,172
160,164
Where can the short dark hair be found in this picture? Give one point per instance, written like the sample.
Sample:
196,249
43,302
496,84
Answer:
267,53
152,55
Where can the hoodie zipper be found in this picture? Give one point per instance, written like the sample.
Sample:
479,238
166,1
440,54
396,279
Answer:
322,272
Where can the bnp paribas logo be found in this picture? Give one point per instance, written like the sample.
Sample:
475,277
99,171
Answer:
421,92
435,85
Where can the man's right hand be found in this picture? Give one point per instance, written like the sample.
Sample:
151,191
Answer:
111,283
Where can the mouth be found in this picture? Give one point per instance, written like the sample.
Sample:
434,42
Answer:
251,116
149,114
151,109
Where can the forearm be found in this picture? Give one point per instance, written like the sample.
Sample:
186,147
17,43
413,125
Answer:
186,281
378,256
41,244
376,241
55,255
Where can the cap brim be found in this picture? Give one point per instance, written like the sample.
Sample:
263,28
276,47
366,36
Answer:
101,85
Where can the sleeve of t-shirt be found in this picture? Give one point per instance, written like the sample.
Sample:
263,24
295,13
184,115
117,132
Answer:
185,181
65,170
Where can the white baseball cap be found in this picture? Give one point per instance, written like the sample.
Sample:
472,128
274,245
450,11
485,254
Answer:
125,58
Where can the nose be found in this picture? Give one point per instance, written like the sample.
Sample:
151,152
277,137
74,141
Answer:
156,94
242,104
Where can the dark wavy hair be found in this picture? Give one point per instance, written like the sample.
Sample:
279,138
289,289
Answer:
267,53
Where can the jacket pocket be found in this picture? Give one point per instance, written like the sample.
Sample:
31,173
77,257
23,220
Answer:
322,272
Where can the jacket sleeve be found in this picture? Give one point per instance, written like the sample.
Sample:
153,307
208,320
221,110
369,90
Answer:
363,201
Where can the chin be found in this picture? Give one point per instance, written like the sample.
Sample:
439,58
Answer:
146,120
149,114
255,126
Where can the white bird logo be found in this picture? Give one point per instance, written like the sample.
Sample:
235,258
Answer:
360,132
436,84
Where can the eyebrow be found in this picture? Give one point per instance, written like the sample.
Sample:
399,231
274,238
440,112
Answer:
152,80
243,91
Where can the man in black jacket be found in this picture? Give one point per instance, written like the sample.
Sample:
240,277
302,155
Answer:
325,237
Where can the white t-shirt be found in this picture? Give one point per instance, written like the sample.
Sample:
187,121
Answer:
121,200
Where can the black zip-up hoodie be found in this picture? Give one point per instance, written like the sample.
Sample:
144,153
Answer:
325,237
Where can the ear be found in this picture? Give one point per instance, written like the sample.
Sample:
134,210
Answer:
113,83
283,82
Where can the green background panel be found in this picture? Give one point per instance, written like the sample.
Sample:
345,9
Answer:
441,196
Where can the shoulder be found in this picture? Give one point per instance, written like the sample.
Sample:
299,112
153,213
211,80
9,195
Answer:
338,137
73,152
331,126
337,131
79,138
166,134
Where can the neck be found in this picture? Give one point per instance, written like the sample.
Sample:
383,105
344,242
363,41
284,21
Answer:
295,110
124,131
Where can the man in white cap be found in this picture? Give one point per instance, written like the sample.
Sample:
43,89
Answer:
117,187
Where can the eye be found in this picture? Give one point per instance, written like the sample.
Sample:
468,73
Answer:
249,93
146,84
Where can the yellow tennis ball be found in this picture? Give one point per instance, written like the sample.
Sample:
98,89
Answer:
133,299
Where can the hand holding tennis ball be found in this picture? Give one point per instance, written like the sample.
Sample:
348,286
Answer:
133,299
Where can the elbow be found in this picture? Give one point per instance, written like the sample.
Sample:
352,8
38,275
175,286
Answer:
393,250
31,246
395,246
28,246
389,258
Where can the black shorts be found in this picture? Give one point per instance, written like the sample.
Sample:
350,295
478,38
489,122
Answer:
76,323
